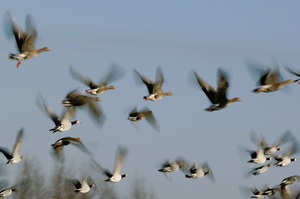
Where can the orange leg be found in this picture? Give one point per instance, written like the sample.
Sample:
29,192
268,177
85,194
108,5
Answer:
18,64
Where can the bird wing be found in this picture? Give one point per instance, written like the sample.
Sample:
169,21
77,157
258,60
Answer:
76,183
45,108
207,88
159,80
220,95
96,112
68,113
6,152
85,80
19,34
76,142
18,142
115,72
151,119
149,83
31,35
119,160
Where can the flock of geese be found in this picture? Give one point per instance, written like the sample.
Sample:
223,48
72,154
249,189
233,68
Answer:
269,81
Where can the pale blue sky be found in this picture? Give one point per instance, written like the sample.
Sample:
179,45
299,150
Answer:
179,36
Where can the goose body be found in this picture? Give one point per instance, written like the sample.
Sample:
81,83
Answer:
84,186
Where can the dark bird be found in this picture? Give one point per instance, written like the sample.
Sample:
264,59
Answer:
74,98
14,156
217,97
144,114
102,86
25,40
62,123
154,88
59,144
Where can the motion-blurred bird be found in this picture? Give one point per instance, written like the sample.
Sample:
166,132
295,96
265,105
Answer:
199,171
290,180
25,40
14,156
286,159
59,144
115,175
217,97
154,88
144,114
74,98
83,186
258,156
260,170
62,123
270,79
274,148
114,74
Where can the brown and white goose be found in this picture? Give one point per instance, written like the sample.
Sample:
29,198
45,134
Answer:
114,74
154,88
144,114
217,97
25,40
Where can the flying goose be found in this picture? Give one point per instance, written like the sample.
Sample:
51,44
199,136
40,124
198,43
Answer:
199,171
14,157
217,97
115,175
258,156
25,40
74,98
144,114
275,147
62,123
102,86
270,79
286,159
289,180
154,88
260,170
59,144
84,186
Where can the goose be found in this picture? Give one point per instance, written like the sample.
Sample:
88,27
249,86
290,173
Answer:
59,144
270,79
258,156
199,171
62,123
260,170
144,114
75,99
289,180
217,97
100,87
14,157
286,159
172,166
84,186
154,88
271,191
25,40
115,176
7,192
274,148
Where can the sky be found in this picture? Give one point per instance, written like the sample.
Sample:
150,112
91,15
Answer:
180,37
